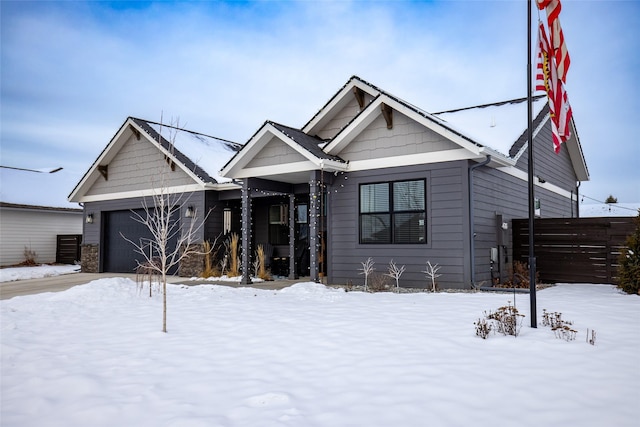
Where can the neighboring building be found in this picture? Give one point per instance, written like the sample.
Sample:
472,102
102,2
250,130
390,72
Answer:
368,176
36,229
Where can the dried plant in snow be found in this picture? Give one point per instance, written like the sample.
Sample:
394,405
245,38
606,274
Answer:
367,269
260,268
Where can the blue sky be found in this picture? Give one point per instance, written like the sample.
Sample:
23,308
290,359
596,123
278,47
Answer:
72,72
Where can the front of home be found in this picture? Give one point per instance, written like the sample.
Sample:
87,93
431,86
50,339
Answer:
368,176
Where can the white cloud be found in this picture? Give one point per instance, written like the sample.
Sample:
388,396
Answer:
72,72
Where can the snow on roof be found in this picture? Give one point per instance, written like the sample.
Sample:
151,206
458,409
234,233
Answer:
38,189
497,126
209,153
609,209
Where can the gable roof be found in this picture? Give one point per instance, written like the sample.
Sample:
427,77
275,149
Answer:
497,129
200,156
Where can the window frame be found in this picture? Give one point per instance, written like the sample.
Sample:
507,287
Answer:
392,213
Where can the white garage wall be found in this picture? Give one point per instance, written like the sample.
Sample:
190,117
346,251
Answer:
35,228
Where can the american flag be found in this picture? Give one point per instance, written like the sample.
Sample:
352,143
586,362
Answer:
559,47
547,80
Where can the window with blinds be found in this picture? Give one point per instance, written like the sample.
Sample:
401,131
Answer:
393,212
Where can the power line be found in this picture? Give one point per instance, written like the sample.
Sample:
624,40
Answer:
605,203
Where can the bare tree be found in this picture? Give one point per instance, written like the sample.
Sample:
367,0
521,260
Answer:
430,272
161,216
395,272
367,269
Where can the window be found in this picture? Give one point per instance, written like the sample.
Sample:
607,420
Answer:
279,224
393,212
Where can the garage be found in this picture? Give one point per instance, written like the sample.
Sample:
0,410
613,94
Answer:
119,255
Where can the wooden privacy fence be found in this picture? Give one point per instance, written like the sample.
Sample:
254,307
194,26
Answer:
574,250
68,248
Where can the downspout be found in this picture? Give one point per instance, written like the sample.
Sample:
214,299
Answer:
577,199
472,218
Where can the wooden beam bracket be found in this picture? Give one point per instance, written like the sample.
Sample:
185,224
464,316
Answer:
104,171
387,112
359,94
135,131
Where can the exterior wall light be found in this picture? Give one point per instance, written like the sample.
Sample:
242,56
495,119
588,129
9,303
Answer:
189,212
89,218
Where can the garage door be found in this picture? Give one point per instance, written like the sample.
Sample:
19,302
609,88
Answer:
120,256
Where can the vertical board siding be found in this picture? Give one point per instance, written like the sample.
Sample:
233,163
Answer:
576,250
35,229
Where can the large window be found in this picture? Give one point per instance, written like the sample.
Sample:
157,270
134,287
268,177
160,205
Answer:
393,212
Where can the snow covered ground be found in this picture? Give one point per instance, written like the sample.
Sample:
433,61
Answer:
22,273
313,356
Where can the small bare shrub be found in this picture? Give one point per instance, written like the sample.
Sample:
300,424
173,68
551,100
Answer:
395,272
591,339
378,282
367,269
483,328
507,320
560,327
430,272
29,257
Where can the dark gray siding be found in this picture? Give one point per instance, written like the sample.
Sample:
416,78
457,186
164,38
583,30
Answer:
497,193
447,233
555,168
93,233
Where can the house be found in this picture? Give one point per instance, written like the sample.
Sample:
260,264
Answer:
35,216
369,175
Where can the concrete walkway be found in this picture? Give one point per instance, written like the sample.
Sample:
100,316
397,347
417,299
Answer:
66,281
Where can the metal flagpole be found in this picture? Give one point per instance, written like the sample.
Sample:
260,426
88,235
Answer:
532,208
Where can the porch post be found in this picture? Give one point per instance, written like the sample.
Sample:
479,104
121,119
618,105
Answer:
246,233
293,270
314,215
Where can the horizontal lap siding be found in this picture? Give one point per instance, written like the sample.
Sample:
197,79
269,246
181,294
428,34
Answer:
496,192
35,230
139,165
447,237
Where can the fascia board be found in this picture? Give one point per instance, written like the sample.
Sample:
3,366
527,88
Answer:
224,186
524,176
497,158
370,113
536,131
236,169
169,154
433,125
107,154
150,192
576,155
250,149
276,169
412,159
342,98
